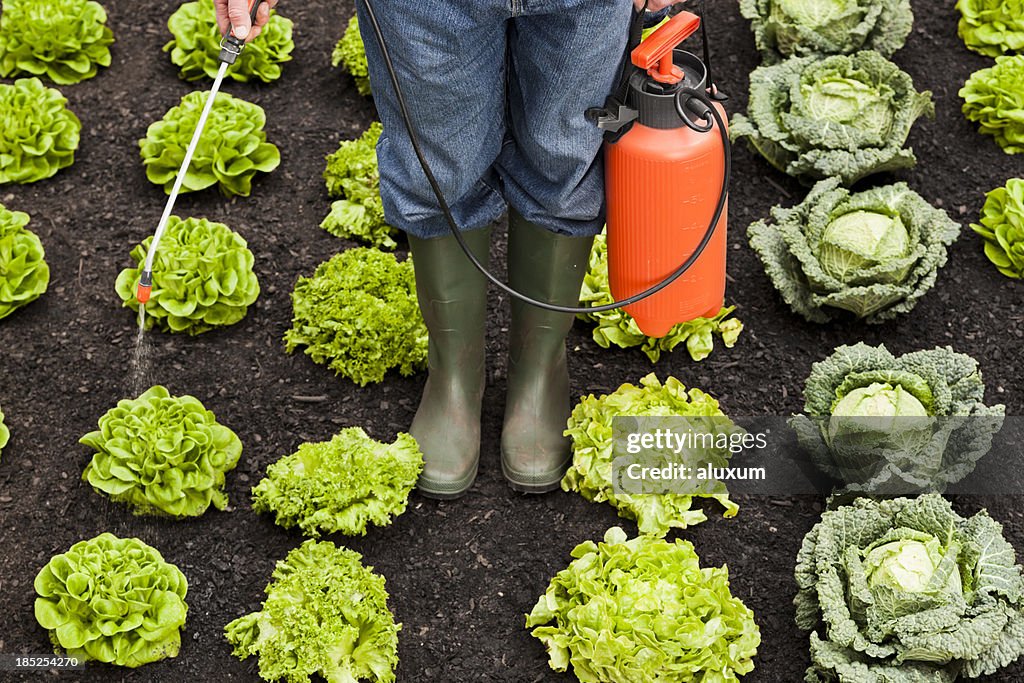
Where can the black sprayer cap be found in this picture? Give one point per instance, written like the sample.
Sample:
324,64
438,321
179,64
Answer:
655,102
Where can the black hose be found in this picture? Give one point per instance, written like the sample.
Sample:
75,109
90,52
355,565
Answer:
446,210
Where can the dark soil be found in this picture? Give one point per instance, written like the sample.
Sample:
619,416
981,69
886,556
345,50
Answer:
461,574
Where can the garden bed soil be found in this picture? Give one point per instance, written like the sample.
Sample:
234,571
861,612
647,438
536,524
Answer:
461,574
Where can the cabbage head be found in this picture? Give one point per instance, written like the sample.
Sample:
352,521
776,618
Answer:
196,45
885,424
341,485
907,590
644,610
591,473
818,28
113,600
161,454
842,116
1002,228
24,274
325,617
38,133
358,314
994,99
873,254
65,41
992,27
351,54
203,277
619,328
232,149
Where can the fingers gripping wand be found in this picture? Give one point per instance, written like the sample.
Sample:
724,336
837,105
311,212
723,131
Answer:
231,47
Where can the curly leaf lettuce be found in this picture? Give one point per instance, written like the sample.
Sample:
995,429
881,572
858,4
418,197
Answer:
232,150
342,485
38,133
113,600
352,173
24,274
1002,228
644,610
906,590
203,277
818,28
591,471
994,98
162,454
64,40
196,45
873,253
619,328
843,116
992,27
5,433
350,53
358,314
325,614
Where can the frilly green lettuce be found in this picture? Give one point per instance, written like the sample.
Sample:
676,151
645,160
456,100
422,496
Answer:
994,99
619,328
197,38
24,274
350,53
644,610
352,173
992,27
38,133
64,40
112,600
341,485
1002,227
325,614
203,277
162,454
5,433
358,314
232,150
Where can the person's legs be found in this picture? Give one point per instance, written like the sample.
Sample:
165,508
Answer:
450,58
564,58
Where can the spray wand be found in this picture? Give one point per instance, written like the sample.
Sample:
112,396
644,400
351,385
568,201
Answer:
230,48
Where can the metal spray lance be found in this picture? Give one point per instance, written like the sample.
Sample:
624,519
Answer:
230,48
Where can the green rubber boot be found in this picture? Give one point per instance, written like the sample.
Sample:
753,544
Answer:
549,267
453,300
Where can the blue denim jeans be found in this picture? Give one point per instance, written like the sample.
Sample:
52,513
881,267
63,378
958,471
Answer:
497,91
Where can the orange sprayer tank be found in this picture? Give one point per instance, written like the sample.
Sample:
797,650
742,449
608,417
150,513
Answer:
663,180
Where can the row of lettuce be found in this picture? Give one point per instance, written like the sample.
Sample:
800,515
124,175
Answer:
914,592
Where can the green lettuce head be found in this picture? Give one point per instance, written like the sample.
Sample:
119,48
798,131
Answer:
162,454
994,99
24,274
908,590
232,150
992,27
38,133
196,45
352,173
64,40
873,253
350,53
644,610
619,328
1002,227
358,314
885,424
112,600
818,28
326,614
341,485
203,277
842,116
591,472
5,433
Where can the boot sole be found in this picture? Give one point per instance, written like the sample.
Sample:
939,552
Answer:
533,484
447,490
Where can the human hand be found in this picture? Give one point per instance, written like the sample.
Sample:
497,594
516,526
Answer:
656,5
235,13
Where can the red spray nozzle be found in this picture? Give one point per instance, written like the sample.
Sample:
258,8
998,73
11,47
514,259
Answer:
655,53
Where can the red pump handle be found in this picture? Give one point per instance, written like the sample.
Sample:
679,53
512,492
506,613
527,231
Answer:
655,53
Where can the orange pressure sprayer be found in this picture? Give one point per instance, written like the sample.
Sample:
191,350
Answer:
664,177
